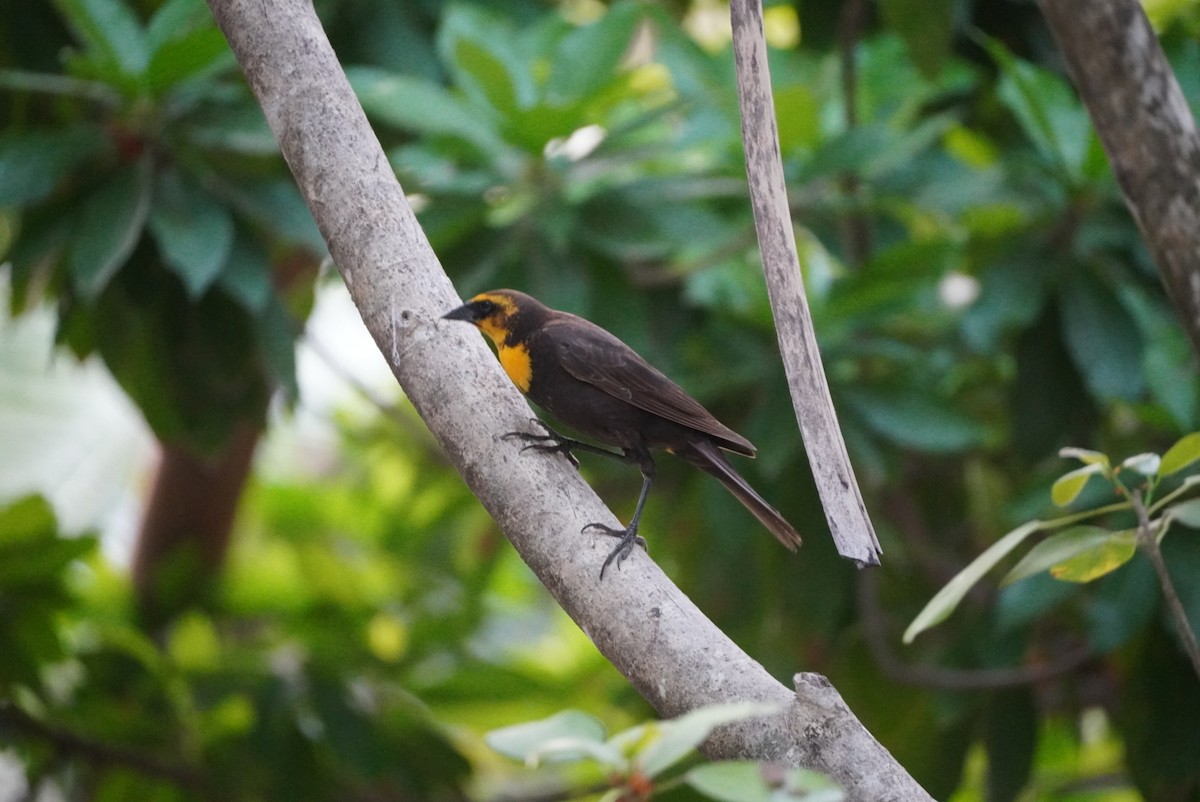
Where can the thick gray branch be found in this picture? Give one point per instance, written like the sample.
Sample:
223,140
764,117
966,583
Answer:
840,497
1148,132
674,656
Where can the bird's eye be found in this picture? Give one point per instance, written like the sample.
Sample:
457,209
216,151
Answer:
487,308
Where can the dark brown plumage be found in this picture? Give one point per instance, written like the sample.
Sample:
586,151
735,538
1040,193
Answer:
591,381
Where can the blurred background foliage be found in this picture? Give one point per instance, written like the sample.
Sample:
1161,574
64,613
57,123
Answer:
981,296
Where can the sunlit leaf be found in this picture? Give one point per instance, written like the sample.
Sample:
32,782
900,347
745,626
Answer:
1086,456
942,604
1102,558
1185,451
747,781
1068,486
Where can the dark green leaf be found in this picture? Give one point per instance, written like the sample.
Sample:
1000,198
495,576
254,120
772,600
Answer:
33,164
926,27
479,48
110,224
193,230
247,273
1102,339
923,422
173,19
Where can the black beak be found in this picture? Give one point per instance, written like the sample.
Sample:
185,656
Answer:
465,312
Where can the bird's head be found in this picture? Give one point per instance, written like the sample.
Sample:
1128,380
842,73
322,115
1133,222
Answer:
494,312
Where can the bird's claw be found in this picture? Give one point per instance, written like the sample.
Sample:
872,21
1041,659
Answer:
550,443
629,537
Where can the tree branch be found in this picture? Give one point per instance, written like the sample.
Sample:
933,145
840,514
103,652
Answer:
653,634
1143,120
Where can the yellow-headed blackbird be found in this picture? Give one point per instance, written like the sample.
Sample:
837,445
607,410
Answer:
596,384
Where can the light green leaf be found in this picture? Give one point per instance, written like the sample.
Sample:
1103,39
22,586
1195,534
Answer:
1187,513
196,53
942,604
572,748
421,107
747,781
1146,464
110,225
193,231
522,740
1059,548
1086,456
586,59
1185,451
111,32
678,737
1068,486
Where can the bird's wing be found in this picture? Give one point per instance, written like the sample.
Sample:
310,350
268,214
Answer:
591,354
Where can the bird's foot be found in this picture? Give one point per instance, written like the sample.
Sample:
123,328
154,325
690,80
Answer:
628,538
549,443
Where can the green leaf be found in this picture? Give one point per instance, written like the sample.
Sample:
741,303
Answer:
247,274
174,19
916,420
1068,486
111,223
110,31
33,164
1185,451
1102,338
1059,548
747,781
942,604
193,230
586,59
421,107
1146,464
519,741
1086,456
480,49
926,27
1046,108
196,53
1102,558
679,736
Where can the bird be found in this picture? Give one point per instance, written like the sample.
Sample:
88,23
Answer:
588,379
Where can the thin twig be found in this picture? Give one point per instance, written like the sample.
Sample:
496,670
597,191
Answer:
73,745
951,679
1148,542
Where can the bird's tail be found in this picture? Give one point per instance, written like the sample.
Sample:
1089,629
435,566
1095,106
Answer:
709,458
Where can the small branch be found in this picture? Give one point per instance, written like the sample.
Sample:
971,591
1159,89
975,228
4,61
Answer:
1147,540
950,679
841,498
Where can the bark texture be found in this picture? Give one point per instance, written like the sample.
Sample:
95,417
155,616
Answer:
1143,119
641,622
840,497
